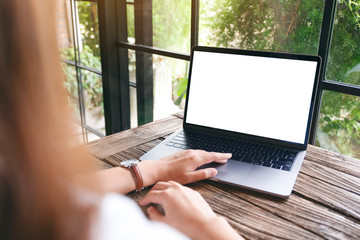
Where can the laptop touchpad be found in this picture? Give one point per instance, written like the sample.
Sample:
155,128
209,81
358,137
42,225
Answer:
233,171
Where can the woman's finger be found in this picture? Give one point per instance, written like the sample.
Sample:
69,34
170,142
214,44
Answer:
202,174
161,186
154,214
208,157
154,196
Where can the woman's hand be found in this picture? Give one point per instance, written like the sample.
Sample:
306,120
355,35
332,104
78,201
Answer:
187,211
182,167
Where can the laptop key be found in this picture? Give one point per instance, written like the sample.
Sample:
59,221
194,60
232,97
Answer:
256,154
266,164
292,157
276,166
257,162
178,145
176,141
247,160
286,168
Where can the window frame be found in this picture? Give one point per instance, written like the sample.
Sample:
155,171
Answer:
78,67
120,69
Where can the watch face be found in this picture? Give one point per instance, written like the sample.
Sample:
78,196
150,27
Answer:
128,163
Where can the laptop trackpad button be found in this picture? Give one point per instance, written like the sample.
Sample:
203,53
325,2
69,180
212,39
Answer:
233,171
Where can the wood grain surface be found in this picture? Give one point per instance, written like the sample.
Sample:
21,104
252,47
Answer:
325,203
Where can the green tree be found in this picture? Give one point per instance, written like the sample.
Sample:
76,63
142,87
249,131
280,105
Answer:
171,24
294,26
286,26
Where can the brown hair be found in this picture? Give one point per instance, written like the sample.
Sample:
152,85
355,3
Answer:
36,159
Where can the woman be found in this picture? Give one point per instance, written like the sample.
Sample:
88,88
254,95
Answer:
47,188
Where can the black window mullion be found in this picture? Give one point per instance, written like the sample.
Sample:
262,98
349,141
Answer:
123,65
144,61
195,9
116,100
153,50
323,52
341,87
82,67
78,71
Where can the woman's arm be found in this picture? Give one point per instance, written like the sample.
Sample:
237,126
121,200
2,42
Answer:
187,211
180,167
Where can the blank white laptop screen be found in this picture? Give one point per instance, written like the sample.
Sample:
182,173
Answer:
261,96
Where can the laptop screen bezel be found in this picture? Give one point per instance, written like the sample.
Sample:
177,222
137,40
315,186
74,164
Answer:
244,136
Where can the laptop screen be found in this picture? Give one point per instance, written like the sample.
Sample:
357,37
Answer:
261,96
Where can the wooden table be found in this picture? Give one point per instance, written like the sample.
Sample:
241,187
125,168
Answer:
325,202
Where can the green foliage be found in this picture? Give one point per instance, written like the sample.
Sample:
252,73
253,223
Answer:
340,120
180,89
91,82
340,113
346,35
171,24
285,26
171,31
273,25
294,26
89,56
89,25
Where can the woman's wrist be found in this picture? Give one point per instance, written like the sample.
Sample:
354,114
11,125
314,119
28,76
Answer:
150,171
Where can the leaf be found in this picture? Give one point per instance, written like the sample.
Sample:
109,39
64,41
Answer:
181,86
327,119
177,102
349,128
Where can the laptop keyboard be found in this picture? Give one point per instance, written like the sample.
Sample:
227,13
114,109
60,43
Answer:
257,154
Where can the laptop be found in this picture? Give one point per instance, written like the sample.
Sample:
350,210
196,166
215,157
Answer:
256,105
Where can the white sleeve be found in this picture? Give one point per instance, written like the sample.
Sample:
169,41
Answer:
121,218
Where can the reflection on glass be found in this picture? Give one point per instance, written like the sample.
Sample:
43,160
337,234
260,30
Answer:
133,95
272,25
344,61
91,136
171,25
93,100
133,108
170,80
339,124
132,66
130,23
71,87
88,29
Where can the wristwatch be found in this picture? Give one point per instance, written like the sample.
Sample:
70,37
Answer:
135,172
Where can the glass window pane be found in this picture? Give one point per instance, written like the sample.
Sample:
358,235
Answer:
130,23
71,86
170,81
344,61
64,30
133,95
339,124
91,136
172,24
272,25
132,66
93,100
133,108
89,34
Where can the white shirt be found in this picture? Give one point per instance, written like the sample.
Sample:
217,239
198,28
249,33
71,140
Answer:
121,218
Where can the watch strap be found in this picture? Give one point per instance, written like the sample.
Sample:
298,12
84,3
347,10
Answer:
135,172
